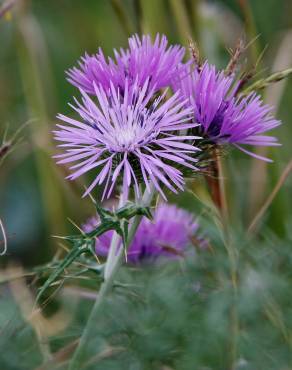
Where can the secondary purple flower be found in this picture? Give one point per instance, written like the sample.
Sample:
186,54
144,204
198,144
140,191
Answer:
123,135
225,118
143,60
169,234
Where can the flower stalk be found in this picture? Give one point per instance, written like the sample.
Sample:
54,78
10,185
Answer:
112,269
116,240
216,185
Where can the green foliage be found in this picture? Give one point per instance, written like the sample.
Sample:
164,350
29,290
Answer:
184,314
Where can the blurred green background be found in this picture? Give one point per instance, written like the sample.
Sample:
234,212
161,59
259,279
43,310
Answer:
40,39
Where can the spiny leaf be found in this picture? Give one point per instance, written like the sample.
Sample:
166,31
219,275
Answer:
130,210
85,242
71,256
103,213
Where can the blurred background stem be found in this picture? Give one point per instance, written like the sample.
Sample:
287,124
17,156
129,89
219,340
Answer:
35,74
123,16
251,31
139,16
192,10
182,21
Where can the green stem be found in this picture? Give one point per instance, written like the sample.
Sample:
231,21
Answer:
106,287
114,243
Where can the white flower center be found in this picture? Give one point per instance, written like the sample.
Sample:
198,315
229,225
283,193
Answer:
126,137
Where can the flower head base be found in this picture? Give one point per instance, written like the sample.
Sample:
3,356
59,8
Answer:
124,134
142,61
225,118
168,235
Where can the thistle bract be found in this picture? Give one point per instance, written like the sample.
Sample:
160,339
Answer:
225,118
126,135
143,60
169,235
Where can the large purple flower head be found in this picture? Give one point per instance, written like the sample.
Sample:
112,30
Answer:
133,137
143,60
169,235
225,118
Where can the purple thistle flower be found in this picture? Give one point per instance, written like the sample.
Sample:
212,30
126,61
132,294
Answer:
142,61
121,133
169,235
225,118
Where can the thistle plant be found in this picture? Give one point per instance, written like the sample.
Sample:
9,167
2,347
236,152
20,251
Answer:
131,133
147,120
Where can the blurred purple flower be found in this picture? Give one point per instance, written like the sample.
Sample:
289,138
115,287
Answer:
144,60
169,234
125,134
224,118
6,6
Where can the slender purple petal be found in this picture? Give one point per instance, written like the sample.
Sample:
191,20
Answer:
225,119
122,132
